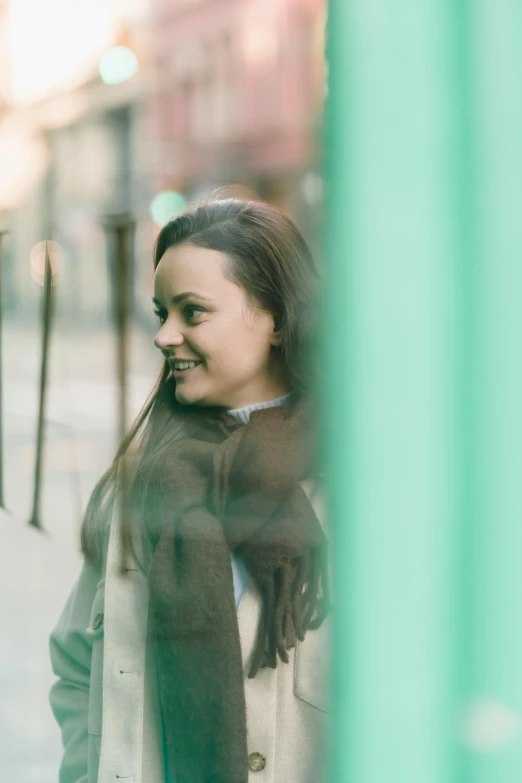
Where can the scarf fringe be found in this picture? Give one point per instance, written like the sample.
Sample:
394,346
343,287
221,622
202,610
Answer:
295,599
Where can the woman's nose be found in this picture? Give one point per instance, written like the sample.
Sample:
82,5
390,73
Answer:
167,337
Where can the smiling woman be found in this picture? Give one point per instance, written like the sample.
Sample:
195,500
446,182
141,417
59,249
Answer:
220,607
225,336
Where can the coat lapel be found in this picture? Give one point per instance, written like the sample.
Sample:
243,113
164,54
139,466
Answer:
130,746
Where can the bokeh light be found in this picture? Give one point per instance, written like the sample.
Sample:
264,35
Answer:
166,205
37,261
118,65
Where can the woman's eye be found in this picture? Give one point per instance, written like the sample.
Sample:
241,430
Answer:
189,311
160,316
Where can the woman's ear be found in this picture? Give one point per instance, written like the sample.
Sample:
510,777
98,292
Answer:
276,337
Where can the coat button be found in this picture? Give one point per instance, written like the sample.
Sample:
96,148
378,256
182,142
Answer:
97,622
256,762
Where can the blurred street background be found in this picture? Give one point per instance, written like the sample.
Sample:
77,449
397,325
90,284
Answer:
120,112
116,108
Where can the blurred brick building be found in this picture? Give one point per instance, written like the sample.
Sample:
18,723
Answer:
236,96
227,91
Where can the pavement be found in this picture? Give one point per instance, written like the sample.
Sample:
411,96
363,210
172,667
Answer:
36,575
38,568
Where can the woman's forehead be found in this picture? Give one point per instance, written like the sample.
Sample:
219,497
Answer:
189,268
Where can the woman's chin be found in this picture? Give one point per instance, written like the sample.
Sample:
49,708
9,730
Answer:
183,398
187,396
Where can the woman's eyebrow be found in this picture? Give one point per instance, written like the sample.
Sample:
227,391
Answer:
181,297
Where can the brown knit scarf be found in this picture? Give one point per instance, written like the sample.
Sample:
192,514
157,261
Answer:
231,487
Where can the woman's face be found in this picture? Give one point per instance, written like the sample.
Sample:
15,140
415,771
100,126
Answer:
206,318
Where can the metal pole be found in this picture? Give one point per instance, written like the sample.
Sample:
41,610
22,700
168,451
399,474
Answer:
121,227
2,503
122,314
47,320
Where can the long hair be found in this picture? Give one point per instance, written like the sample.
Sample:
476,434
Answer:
270,259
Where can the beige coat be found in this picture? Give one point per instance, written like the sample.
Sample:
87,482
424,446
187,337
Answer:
106,700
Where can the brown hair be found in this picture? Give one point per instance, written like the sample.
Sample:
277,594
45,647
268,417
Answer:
270,259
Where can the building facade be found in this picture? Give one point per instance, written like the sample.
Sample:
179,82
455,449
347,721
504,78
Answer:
236,97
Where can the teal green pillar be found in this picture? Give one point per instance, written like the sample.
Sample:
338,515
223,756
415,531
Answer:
423,388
